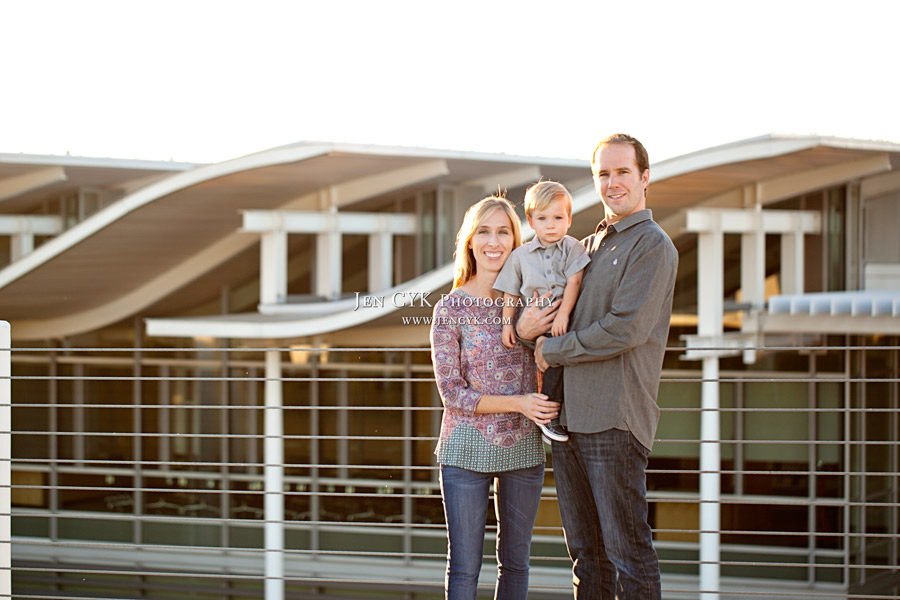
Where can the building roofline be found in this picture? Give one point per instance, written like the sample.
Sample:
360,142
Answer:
95,162
193,176
425,152
764,146
266,326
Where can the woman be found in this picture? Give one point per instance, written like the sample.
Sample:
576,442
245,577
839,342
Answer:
490,407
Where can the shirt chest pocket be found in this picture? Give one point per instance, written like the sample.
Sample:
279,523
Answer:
605,271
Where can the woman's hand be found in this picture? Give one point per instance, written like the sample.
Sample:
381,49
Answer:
538,408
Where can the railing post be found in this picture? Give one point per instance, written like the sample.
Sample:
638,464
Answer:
5,462
274,478
709,290
710,482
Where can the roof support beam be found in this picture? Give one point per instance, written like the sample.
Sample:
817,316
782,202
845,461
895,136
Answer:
329,228
780,188
509,179
23,228
752,223
748,221
298,221
10,187
34,224
881,184
382,183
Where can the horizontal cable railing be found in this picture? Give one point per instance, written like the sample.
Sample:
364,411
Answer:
142,473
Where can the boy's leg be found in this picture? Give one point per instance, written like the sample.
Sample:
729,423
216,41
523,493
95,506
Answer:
552,386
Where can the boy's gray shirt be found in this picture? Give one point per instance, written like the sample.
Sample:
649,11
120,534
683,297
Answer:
533,266
614,349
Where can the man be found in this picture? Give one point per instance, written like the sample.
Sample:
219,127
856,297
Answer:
612,358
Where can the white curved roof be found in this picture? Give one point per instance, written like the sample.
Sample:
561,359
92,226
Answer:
155,241
786,163
159,238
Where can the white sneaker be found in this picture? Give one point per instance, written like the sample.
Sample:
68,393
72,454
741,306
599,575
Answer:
554,432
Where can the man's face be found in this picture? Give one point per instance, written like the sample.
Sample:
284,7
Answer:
616,178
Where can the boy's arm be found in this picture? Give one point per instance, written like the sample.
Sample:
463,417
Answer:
569,297
509,311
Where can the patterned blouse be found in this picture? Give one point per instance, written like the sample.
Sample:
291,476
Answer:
470,360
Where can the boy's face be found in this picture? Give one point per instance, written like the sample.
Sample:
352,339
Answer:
552,223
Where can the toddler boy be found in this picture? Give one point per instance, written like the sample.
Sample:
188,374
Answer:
551,262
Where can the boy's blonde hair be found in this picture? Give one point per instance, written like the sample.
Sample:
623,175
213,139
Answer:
543,194
475,216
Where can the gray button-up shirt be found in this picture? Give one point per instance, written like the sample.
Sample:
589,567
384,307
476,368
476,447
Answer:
613,352
534,267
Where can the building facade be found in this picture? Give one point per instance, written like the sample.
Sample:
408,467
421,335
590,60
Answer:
221,381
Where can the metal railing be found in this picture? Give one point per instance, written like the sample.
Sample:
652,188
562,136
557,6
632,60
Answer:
153,472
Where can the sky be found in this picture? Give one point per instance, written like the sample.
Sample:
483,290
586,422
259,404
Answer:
206,81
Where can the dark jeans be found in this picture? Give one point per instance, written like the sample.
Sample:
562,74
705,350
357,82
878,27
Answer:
602,489
466,495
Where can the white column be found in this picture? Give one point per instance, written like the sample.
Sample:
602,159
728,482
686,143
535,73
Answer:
381,261
710,482
710,282
5,462
273,253
274,479
328,264
792,262
21,244
753,282
710,253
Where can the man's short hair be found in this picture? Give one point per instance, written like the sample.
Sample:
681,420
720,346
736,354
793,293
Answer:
543,194
640,153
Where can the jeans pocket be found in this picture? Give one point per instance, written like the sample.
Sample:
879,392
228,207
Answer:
645,452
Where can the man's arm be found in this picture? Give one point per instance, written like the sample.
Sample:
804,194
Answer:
635,310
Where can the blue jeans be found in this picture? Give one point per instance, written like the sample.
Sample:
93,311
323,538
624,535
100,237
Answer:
602,490
466,495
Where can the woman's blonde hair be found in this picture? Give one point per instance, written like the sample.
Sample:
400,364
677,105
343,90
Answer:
475,216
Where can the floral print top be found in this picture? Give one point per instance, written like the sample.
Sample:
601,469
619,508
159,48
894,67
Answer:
470,360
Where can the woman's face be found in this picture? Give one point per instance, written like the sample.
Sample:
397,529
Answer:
492,242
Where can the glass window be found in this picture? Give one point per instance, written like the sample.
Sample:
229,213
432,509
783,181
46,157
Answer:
776,440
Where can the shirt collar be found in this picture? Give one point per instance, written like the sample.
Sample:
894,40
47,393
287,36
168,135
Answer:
629,221
535,244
